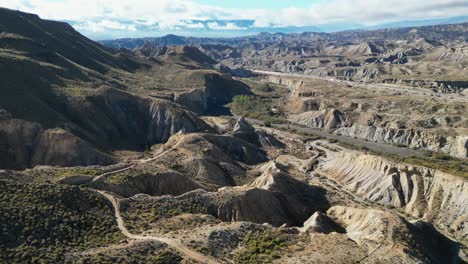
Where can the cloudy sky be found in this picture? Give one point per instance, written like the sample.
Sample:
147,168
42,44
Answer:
101,19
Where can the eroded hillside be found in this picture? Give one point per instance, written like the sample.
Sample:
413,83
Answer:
123,157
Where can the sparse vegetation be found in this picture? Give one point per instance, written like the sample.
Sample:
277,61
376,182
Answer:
40,223
266,104
257,107
140,214
149,252
77,171
121,177
434,160
54,174
261,247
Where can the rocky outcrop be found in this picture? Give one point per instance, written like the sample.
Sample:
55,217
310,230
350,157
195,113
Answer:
216,91
107,121
120,120
26,144
456,146
244,130
328,119
237,149
59,147
321,223
213,161
242,126
238,72
424,193
195,100
275,198
296,191
392,238
293,84
258,206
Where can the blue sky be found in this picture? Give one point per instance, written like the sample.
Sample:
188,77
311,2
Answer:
106,19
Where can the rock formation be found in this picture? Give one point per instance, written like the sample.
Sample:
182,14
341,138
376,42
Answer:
328,119
27,144
321,223
456,146
392,238
425,193
244,130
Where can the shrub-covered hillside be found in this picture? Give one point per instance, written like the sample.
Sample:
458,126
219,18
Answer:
42,223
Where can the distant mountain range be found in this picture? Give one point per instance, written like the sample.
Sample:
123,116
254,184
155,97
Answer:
436,31
236,28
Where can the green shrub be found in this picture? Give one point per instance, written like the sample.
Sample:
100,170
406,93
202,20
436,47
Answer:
257,107
261,247
45,221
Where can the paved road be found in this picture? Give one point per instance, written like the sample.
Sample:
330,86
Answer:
375,86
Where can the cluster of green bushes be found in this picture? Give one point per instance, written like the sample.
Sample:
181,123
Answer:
122,177
139,214
146,253
266,89
54,174
261,247
78,171
257,107
41,223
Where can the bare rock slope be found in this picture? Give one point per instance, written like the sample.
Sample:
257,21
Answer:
424,193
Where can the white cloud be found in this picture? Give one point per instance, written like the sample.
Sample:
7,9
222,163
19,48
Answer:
104,25
227,26
192,25
169,14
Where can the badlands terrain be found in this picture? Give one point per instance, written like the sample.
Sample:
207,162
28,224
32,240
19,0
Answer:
349,147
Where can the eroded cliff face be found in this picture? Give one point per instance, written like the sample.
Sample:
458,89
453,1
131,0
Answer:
383,116
328,118
292,83
93,127
422,192
456,146
27,144
392,238
217,90
163,182
118,120
381,132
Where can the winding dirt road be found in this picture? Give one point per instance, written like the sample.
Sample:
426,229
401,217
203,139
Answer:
157,156
176,244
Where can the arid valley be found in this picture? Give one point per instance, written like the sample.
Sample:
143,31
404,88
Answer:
314,147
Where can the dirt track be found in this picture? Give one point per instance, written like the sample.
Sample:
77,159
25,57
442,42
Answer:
174,243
